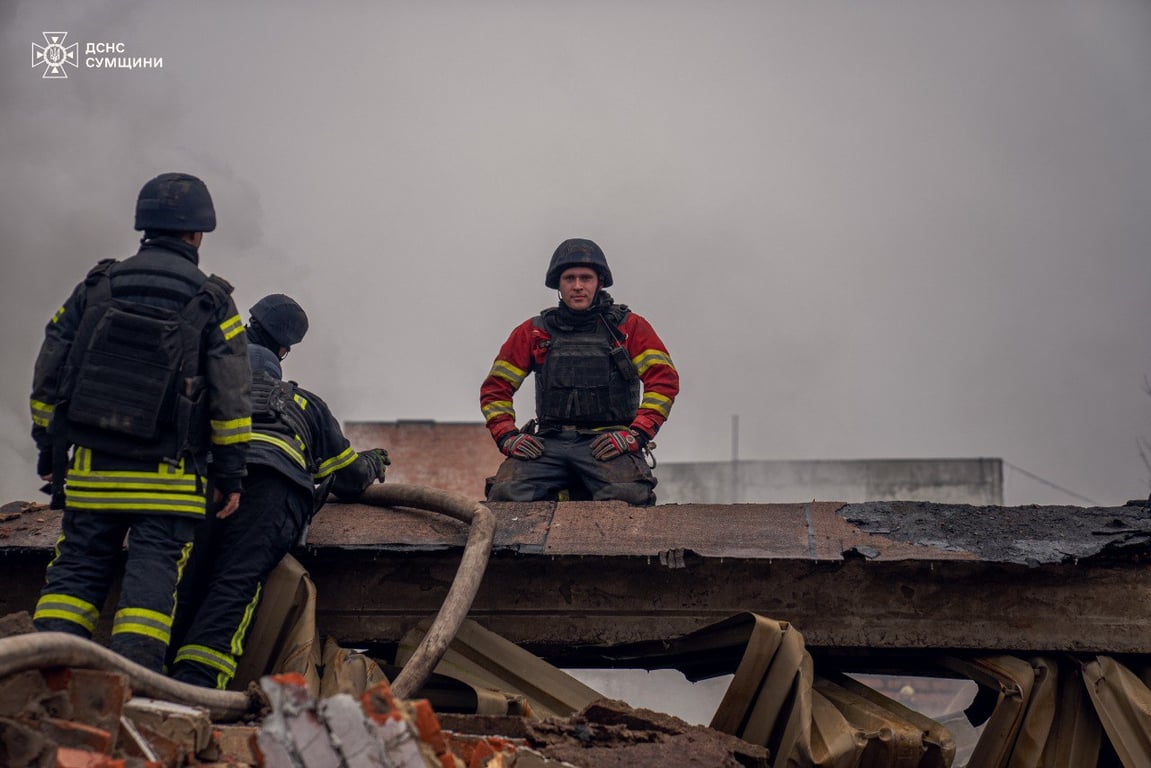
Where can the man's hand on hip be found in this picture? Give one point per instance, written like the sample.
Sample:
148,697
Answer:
517,445
616,443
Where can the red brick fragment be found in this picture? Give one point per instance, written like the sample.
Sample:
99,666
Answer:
68,733
294,679
98,698
236,743
429,727
478,751
379,703
67,757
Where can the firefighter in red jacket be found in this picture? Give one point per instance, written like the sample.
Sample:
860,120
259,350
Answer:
604,385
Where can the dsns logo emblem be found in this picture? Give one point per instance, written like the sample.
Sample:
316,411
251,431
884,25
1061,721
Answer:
54,55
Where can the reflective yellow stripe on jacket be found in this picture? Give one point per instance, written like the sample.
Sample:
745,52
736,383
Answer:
167,489
656,402
648,358
504,370
41,413
295,452
336,463
498,408
232,327
232,431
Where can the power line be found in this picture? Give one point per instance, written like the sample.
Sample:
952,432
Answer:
1060,488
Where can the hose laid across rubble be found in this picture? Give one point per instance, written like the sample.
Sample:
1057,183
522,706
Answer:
58,649
466,583
51,649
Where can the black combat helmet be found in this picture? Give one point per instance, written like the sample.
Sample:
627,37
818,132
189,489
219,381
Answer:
577,253
281,318
175,202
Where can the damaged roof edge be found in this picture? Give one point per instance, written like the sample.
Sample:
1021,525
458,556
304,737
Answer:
813,531
817,531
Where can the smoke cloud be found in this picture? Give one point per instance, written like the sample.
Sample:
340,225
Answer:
870,230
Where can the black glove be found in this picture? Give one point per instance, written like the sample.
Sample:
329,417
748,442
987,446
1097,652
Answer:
616,443
518,445
379,461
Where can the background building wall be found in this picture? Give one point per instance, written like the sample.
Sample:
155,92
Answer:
460,456
957,481
452,456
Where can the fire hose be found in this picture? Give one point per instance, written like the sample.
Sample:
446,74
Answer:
464,586
52,649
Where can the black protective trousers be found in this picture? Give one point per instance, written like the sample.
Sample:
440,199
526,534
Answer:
229,568
86,563
567,465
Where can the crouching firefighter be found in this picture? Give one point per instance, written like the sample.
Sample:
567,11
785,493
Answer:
296,443
604,384
143,371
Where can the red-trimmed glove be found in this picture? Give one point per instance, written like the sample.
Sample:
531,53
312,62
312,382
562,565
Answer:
517,445
616,443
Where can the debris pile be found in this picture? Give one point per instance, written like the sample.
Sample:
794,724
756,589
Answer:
1053,644
77,718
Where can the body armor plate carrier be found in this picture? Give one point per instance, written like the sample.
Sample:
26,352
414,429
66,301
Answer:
587,379
132,384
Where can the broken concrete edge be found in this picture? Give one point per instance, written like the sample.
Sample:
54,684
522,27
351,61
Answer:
385,729
817,531
377,728
1029,535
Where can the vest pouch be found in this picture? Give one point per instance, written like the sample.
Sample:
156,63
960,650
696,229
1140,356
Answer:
580,366
192,413
574,385
124,384
267,400
623,364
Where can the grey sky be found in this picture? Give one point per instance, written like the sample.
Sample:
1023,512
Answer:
883,229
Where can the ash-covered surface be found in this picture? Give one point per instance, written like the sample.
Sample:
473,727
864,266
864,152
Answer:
28,525
1028,535
611,734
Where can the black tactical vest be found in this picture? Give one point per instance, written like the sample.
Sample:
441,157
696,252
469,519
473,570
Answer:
275,411
587,378
132,384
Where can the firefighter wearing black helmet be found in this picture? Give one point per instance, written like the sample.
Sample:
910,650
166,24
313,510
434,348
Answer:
142,375
277,321
605,383
296,444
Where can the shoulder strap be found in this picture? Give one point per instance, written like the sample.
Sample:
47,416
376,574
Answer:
612,320
540,320
617,314
212,295
98,282
98,291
